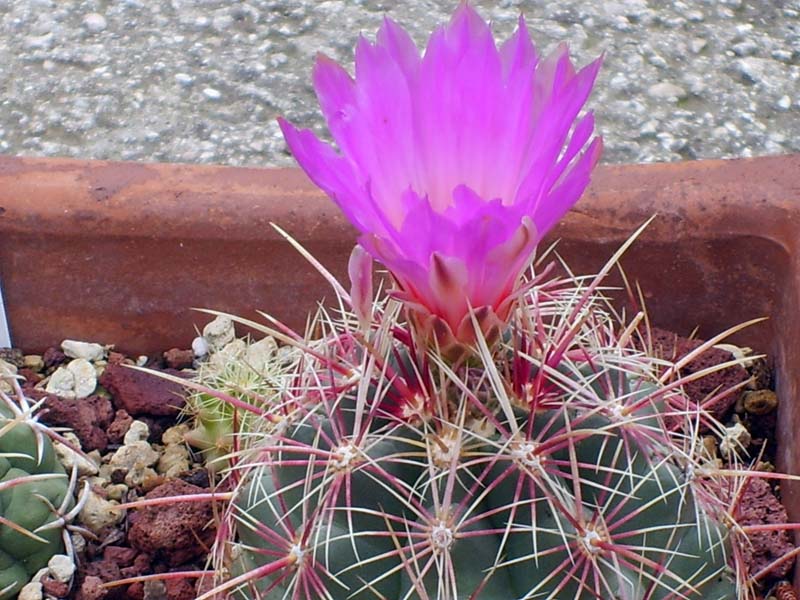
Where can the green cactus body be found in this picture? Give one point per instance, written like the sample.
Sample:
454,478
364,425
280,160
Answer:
552,504
27,506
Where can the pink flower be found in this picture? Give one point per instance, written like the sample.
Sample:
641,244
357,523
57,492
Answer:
453,165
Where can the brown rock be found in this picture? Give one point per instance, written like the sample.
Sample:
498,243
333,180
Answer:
53,357
104,570
53,587
760,402
92,589
87,417
205,585
759,506
13,356
198,477
178,359
31,376
135,591
120,555
177,532
142,563
119,427
141,393
180,589
673,347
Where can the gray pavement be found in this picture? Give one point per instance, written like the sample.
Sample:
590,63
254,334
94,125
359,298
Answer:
202,80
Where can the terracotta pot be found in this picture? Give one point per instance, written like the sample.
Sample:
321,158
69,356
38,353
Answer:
119,252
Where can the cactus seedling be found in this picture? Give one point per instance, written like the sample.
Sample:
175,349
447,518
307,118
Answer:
249,371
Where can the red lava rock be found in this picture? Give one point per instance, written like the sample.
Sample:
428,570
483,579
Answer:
178,359
205,585
177,532
140,393
759,506
92,589
53,357
140,565
31,376
87,417
135,591
120,555
180,589
104,570
119,427
53,587
674,347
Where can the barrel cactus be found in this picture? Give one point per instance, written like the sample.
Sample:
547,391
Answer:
36,495
561,462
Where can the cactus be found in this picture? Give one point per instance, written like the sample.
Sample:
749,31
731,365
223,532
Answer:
561,462
248,371
36,496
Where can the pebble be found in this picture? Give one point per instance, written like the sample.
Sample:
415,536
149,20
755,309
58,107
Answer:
696,45
184,79
138,453
31,591
34,362
219,332
212,93
232,352
99,514
71,459
784,103
116,491
174,461
95,22
175,435
260,354
77,380
89,351
753,70
78,543
666,91
200,347
137,431
61,567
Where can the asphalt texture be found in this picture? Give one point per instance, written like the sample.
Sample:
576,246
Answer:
202,81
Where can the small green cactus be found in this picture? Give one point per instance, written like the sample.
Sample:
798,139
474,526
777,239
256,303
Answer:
248,371
36,495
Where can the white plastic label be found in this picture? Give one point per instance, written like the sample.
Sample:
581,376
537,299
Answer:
5,334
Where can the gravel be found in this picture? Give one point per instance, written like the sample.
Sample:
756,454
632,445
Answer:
203,80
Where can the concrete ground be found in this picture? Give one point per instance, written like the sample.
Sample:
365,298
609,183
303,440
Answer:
203,80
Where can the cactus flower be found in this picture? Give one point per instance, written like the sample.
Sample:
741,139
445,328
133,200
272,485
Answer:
453,164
